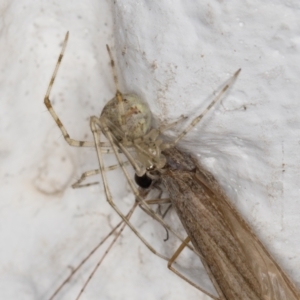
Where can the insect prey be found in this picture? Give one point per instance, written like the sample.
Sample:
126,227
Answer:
237,263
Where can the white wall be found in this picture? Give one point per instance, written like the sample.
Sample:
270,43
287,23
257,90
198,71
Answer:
174,54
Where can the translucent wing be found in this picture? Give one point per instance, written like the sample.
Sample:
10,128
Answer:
240,266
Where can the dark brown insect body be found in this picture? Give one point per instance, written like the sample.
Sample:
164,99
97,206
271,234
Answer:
238,264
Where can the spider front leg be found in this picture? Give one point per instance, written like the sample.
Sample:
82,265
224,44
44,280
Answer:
49,106
196,120
105,148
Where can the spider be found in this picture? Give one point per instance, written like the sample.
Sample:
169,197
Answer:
125,121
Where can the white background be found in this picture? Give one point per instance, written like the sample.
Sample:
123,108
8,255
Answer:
174,54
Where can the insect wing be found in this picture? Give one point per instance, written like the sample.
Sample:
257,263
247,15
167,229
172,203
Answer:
237,263
273,282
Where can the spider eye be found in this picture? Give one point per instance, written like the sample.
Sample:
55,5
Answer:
151,168
143,181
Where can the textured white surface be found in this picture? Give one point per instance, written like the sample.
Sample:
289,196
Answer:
174,54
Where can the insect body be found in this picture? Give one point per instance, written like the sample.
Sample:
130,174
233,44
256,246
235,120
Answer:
238,264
